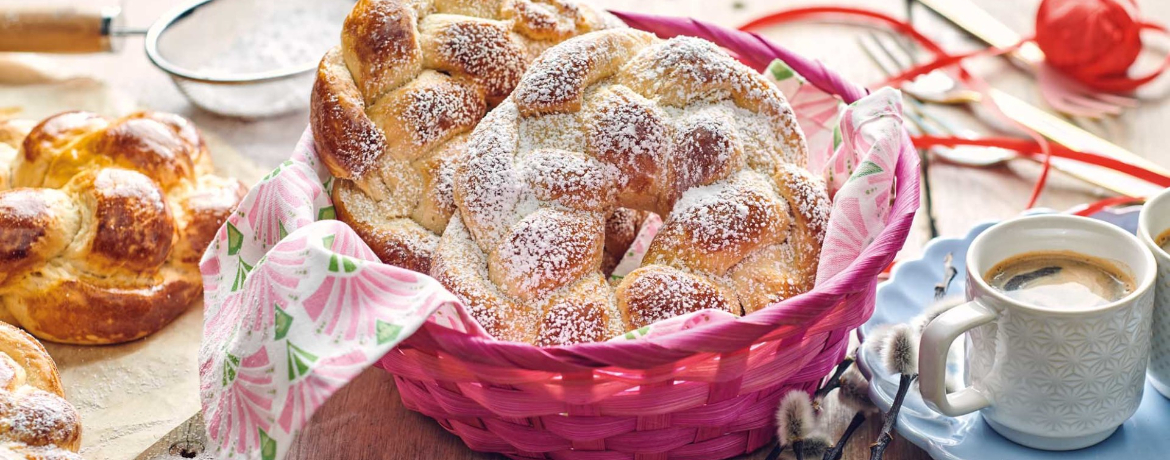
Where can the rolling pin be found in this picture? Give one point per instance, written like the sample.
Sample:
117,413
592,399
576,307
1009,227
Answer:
59,29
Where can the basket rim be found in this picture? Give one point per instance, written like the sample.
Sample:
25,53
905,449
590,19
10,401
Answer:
744,331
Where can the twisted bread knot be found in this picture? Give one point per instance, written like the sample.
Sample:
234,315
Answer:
620,118
100,239
35,420
12,132
392,106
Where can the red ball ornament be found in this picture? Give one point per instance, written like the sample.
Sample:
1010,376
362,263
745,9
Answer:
1093,41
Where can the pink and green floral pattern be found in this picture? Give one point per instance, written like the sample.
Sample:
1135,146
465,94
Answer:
871,137
297,305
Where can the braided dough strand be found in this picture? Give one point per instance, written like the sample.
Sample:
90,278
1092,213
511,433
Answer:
101,238
393,105
621,119
35,420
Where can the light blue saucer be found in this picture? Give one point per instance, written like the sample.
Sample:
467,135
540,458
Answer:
910,289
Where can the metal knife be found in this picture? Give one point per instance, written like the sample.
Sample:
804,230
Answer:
979,23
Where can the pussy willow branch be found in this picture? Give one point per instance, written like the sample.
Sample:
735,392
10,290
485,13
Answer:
776,451
833,383
797,449
879,447
949,273
839,447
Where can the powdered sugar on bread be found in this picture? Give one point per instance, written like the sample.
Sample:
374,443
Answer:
621,119
409,79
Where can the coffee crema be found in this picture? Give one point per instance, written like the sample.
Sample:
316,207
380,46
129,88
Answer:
1164,241
1060,280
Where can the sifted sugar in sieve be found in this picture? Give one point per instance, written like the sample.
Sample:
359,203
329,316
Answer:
241,58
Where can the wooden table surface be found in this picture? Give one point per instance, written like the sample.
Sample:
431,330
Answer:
366,420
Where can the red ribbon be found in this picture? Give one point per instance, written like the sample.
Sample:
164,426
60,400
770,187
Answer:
1095,41
1093,208
1031,149
1038,148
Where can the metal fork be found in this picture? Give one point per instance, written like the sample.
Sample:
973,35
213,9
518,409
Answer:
934,83
923,122
919,125
892,56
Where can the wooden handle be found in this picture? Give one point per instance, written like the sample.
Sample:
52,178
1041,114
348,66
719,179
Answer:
67,29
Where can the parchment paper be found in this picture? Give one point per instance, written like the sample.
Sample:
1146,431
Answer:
129,395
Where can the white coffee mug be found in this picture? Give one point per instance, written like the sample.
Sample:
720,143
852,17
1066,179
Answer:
1047,378
1155,220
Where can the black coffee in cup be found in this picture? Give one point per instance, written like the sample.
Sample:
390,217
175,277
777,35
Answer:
1060,279
1164,240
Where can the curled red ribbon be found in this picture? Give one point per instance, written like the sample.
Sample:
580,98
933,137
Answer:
942,59
1095,42
1038,148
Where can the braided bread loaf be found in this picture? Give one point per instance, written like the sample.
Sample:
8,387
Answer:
393,105
621,118
35,420
101,237
12,133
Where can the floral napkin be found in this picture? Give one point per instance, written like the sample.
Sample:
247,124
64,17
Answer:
297,305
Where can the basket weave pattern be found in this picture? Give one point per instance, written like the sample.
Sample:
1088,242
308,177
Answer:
706,393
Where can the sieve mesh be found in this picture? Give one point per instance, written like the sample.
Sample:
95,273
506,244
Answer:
249,100
247,58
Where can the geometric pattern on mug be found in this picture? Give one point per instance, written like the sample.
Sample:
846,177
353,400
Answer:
1062,377
1160,338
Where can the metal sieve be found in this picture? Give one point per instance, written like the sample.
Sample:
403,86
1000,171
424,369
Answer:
240,58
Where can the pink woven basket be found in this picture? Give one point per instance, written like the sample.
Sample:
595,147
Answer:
704,393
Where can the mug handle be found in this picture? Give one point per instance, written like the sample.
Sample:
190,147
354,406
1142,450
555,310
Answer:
937,338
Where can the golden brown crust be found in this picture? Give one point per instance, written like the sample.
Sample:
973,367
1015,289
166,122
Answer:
31,228
716,234
38,369
540,254
554,20
111,255
54,132
346,139
557,80
207,206
35,419
412,246
409,80
164,147
13,131
95,311
427,113
133,226
651,294
150,146
578,314
759,279
380,44
48,139
628,132
482,51
619,118
456,265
